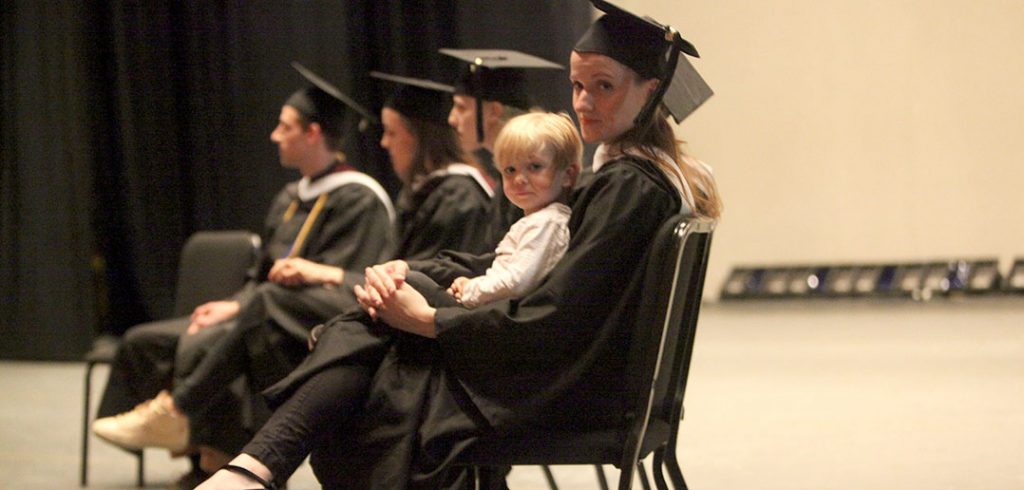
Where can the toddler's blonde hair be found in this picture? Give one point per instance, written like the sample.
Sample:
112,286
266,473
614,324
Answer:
540,133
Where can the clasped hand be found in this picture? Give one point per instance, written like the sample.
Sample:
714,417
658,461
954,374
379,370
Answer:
387,297
296,271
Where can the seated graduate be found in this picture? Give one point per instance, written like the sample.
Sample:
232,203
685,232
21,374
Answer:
334,216
442,205
555,358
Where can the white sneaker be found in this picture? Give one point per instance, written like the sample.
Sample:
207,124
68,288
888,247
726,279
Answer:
150,424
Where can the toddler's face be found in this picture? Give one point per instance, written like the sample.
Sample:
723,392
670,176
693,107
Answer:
534,183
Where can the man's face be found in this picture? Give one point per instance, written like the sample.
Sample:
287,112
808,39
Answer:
463,118
289,135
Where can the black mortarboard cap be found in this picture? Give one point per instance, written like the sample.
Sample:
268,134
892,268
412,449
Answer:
653,51
496,75
322,102
417,98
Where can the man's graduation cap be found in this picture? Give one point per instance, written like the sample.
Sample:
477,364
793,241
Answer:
497,75
321,102
653,51
417,98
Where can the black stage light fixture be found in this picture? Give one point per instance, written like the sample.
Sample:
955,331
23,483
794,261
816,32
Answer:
935,279
876,280
775,283
797,281
840,280
742,283
1015,279
807,281
909,280
983,276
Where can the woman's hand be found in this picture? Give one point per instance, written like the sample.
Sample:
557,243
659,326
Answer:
383,280
212,313
404,308
295,271
457,286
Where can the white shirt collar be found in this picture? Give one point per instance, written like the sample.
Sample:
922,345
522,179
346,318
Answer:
458,169
309,190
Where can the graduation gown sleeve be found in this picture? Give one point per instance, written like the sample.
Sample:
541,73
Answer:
450,264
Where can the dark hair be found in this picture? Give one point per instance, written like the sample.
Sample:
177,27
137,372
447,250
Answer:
437,146
331,130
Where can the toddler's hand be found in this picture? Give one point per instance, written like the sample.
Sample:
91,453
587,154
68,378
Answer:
456,288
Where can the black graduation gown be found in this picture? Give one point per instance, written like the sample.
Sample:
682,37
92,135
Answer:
353,231
555,358
449,213
446,212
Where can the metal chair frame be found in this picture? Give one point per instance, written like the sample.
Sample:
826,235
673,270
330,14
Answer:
660,362
213,264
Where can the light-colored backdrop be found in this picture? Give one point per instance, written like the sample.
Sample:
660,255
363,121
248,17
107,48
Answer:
858,131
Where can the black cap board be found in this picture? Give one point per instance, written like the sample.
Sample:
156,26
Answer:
653,51
319,100
496,75
417,98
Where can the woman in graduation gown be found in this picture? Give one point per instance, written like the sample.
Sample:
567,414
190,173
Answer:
554,358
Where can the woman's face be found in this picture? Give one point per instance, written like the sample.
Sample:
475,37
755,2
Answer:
606,95
399,141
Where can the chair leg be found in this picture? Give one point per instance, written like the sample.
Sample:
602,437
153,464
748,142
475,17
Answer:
83,468
488,478
657,462
626,477
139,478
641,473
601,480
673,469
550,477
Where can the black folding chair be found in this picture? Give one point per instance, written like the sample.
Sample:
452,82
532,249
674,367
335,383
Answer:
658,367
213,265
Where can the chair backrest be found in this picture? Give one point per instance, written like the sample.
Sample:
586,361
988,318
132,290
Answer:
214,265
664,332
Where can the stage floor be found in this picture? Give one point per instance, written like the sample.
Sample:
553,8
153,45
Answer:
788,395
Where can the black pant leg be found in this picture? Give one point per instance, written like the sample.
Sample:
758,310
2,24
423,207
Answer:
315,412
222,364
143,365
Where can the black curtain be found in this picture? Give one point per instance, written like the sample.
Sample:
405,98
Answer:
127,126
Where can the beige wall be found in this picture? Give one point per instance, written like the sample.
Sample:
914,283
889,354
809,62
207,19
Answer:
858,130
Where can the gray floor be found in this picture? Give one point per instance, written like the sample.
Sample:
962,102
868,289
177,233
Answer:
794,395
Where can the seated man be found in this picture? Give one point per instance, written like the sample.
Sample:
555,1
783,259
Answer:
334,217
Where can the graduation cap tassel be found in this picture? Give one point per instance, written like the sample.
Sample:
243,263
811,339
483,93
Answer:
479,120
668,69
